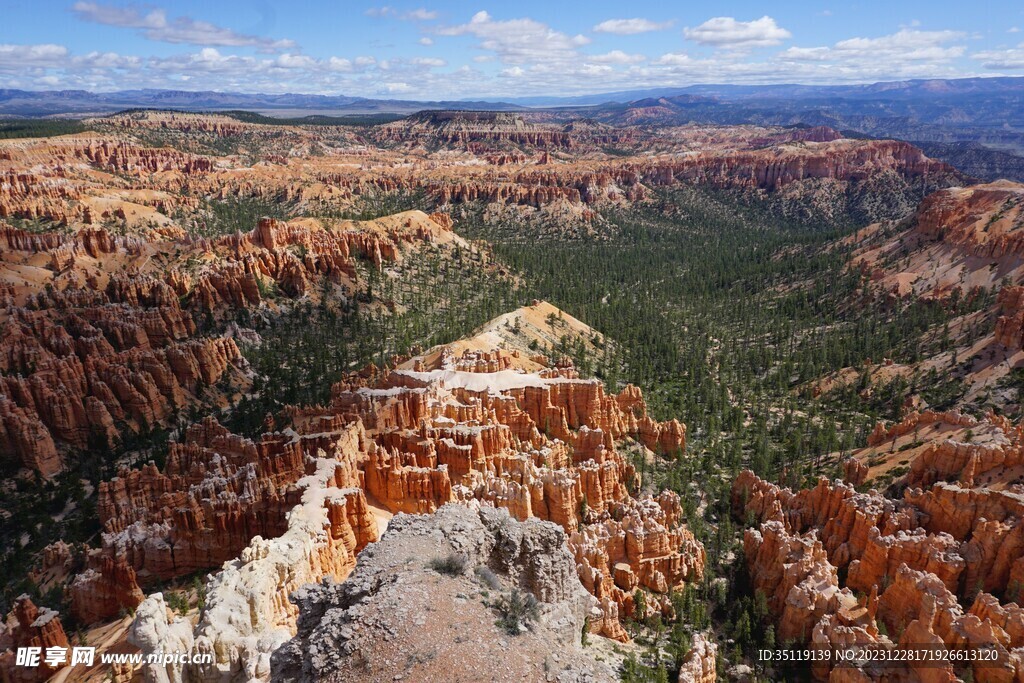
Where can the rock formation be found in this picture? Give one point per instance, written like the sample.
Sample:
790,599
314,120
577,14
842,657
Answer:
961,240
327,526
920,560
538,444
549,168
981,219
947,446
216,494
153,630
699,663
29,626
90,358
414,456
1010,325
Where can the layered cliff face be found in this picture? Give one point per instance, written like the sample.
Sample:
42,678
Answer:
217,492
539,444
734,157
319,521
92,178
1010,324
981,219
940,568
481,131
958,256
960,238
107,335
499,438
525,165
929,447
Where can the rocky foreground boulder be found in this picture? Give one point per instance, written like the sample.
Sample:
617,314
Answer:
461,595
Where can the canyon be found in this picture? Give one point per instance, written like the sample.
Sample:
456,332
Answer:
917,547
535,169
450,478
541,445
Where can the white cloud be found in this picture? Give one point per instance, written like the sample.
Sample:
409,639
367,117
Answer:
428,62
616,57
154,25
593,70
1002,60
906,44
425,41
25,56
208,60
339,64
628,27
289,61
518,41
891,54
729,33
110,15
1013,29
674,59
384,11
105,60
420,14
807,54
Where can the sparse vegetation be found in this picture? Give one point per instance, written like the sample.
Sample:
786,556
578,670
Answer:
517,609
177,601
452,564
488,577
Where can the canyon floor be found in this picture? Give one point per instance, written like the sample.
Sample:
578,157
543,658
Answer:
506,396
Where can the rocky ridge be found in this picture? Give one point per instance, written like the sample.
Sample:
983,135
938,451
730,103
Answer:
960,238
396,616
501,162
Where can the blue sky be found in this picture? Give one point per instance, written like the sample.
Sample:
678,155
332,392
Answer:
444,49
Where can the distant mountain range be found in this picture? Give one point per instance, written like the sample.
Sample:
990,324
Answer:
886,90
977,121
82,102
900,96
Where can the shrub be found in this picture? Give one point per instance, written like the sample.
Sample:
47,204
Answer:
450,565
489,578
517,610
177,602
200,589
